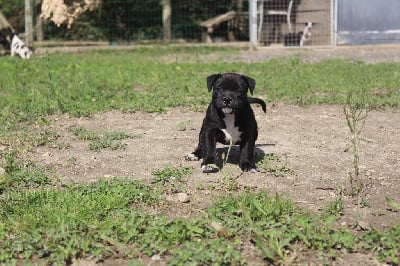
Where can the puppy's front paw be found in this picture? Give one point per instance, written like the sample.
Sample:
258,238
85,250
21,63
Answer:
191,157
248,167
209,168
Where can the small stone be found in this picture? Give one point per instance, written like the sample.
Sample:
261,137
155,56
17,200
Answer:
156,257
222,230
364,226
47,154
183,197
2,171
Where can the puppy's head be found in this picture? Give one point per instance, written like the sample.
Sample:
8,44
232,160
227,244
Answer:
230,90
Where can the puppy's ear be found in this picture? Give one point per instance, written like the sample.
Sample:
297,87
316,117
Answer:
211,80
250,82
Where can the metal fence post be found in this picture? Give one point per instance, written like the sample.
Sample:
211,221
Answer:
253,23
334,22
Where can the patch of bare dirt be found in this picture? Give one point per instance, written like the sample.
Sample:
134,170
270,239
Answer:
314,142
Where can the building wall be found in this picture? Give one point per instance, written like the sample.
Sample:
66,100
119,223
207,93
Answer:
368,21
319,12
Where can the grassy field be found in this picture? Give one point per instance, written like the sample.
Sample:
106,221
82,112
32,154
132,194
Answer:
144,79
45,220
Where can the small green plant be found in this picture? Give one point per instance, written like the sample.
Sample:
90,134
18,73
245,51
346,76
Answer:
23,174
356,113
334,208
99,141
210,252
271,163
393,205
385,243
171,178
229,180
170,173
182,126
46,137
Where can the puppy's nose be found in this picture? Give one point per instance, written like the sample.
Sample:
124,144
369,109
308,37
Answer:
227,100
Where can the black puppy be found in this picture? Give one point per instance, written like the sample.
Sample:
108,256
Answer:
229,120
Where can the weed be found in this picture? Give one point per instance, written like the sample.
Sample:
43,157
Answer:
273,164
99,141
334,208
229,180
393,205
171,178
385,243
210,252
182,126
356,113
46,137
24,174
170,173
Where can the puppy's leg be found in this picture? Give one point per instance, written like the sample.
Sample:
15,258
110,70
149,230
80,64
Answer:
246,157
196,155
199,151
208,165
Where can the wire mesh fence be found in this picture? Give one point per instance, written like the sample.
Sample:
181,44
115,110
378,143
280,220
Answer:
127,21
118,22
295,22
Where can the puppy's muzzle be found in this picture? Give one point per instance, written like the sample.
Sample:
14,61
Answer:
227,109
227,100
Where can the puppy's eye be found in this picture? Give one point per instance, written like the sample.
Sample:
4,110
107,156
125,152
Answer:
217,89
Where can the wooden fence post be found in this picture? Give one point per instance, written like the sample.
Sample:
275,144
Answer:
28,23
166,19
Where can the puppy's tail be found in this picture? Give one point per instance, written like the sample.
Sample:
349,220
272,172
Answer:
259,101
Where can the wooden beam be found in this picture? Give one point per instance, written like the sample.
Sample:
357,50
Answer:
212,22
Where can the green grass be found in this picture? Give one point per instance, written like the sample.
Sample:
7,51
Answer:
108,219
43,220
82,84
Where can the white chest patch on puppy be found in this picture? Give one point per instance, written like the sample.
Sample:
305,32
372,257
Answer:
231,132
